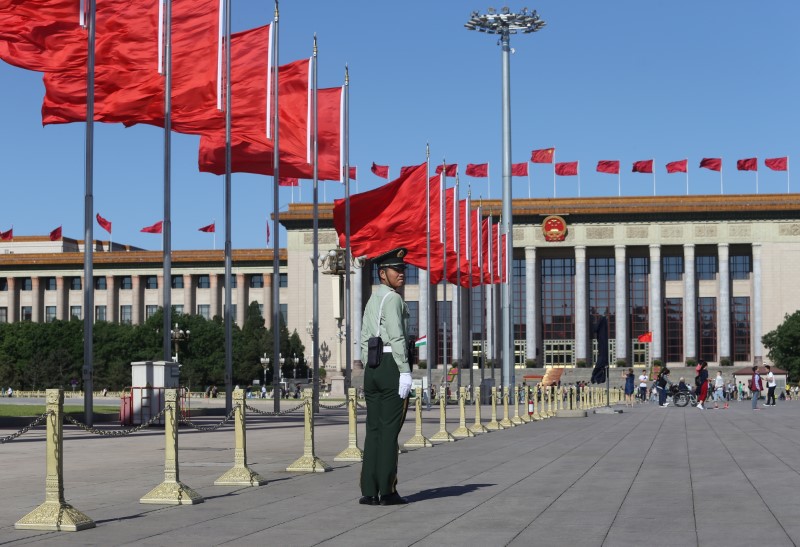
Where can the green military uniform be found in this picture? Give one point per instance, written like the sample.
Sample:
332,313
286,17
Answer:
386,411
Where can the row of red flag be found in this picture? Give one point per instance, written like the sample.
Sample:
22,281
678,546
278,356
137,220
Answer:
157,228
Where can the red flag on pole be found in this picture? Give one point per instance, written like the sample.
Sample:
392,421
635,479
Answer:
406,169
714,164
544,155
608,166
208,229
7,235
381,171
352,173
104,224
519,169
567,169
154,229
477,170
288,181
646,337
777,164
450,169
680,166
644,166
55,235
747,164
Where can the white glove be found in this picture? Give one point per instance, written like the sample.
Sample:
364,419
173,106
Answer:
405,385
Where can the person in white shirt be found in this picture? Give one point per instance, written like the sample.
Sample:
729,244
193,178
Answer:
771,384
719,386
643,386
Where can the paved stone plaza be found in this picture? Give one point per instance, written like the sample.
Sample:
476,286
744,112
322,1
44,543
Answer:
658,476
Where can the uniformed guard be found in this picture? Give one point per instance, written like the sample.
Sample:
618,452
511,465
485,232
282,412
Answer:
387,380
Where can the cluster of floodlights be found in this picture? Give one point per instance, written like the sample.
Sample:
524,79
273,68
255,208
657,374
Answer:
503,22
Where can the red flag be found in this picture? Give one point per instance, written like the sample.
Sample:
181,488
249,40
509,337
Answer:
477,170
543,156
208,229
519,169
646,337
777,164
404,170
104,224
288,181
608,166
352,173
567,168
154,229
450,169
715,164
747,164
644,166
381,171
7,235
55,235
680,166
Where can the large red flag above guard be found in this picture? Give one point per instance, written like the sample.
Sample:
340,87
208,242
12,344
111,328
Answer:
519,169
608,166
567,169
381,171
477,170
644,166
777,164
715,164
544,155
747,164
154,229
55,235
680,166
104,224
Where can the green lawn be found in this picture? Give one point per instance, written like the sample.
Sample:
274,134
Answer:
37,410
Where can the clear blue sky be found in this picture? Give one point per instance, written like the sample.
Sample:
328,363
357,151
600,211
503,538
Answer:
625,80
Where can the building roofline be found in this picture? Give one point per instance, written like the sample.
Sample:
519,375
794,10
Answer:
139,257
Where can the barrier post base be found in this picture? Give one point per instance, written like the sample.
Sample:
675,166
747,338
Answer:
350,454
418,441
308,464
172,493
55,516
240,476
462,433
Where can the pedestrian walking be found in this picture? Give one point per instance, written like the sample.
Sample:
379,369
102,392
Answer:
643,386
661,385
701,381
755,385
719,387
387,380
771,385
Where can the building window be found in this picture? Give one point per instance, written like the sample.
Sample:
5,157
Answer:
233,281
673,268
283,280
413,318
100,284
204,311
126,283
233,312
150,311
257,281
558,299
27,284
50,283
285,313
75,312
477,317
740,316
706,267
49,314
4,315
443,315
100,313
518,294
74,283
177,281
707,328
639,296
602,292
740,266
412,275
126,314
673,327
3,283
151,282
203,282
178,309
26,313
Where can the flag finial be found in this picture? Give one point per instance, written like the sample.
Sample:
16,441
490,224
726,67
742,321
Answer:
428,150
315,44
346,74
276,11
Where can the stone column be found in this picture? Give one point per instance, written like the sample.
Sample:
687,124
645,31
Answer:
136,303
456,324
490,337
241,299
758,350
724,306
13,300
621,302
188,295
689,304
213,282
36,300
656,351
423,313
268,300
112,299
61,299
530,303
581,311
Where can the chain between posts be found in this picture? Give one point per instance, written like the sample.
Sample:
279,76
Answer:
112,433
34,423
264,413
333,407
224,421
360,405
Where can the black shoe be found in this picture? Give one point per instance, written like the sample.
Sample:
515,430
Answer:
368,500
393,499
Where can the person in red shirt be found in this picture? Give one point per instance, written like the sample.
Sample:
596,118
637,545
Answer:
702,383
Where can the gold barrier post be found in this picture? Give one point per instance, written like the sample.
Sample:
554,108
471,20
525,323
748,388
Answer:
352,453
442,435
535,395
517,419
463,431
493,424
55,513
478,427
172,491
525,396
240,474
506,422
418,440
308,462
573,401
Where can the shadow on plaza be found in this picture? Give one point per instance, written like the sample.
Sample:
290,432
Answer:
445,492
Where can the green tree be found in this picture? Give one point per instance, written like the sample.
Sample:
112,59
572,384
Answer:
783,345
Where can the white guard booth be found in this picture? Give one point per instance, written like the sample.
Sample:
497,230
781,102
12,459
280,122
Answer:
149,379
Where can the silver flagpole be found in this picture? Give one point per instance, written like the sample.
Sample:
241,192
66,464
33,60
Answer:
88,228
482,357
443,239
468,352
654,176
490,308
347,305
431,287
315,252
228,268
276,275
166,293
457,289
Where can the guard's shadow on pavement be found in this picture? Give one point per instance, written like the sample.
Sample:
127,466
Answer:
445,492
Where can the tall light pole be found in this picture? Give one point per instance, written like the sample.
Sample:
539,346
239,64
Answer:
505,24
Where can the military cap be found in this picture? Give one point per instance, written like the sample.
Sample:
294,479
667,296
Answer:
391,259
